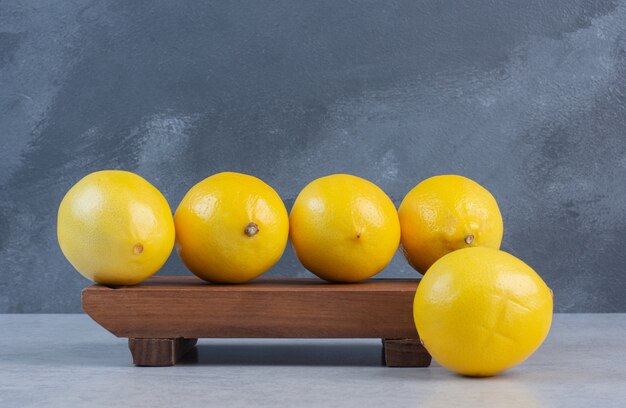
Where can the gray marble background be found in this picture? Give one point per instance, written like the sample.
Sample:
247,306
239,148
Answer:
526,97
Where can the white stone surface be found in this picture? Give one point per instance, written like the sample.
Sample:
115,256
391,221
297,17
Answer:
68,361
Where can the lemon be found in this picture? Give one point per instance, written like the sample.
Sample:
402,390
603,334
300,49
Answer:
344,228
445,213
115,228
480,311
230,228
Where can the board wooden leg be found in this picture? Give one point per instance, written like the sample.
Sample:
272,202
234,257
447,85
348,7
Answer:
159,352
405,353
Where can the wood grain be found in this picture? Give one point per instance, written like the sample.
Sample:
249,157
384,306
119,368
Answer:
405,353
159,352
187,307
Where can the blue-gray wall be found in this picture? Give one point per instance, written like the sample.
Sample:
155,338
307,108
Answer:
526,97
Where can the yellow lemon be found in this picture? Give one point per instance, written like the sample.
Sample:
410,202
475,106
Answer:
231,228
480,311
445,213
344,228
115,228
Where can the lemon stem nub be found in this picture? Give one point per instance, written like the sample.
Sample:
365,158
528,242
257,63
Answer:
138,249
469,239
251,229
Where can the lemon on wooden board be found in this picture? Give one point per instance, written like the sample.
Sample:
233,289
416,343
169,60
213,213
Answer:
230,228
480,311
344,228
115,227
445,213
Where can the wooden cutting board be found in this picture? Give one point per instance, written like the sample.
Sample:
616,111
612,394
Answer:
164,316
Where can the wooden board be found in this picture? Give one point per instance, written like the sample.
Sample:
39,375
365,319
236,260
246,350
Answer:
169,307
170,310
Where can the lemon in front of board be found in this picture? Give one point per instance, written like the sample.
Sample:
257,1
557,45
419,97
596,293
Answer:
480,311
445,213
344,228
115,227
231,228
